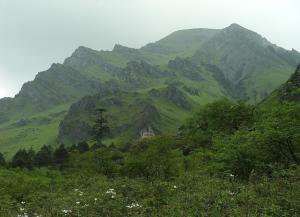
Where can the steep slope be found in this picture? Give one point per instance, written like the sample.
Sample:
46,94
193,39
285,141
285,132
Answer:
58,85
183,43
252,64
287,92
185,69
163,100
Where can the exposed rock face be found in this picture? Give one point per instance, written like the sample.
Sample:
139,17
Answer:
59,84
295,78
186,68
77,124
148,119
84,57
291,89
137,74
135,69
241,54
191,90
176,96
72,128
122,49
235,91
230,57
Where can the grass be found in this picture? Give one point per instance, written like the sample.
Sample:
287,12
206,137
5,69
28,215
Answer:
33,135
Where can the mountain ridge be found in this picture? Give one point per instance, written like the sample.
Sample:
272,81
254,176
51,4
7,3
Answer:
202,64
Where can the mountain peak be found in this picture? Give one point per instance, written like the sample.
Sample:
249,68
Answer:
295,78
235,26
82,50
122,49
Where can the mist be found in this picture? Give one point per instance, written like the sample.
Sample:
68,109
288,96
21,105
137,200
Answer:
34,34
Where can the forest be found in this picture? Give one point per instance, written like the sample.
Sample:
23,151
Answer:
228,159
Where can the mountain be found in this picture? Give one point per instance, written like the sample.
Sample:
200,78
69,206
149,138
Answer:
156,86
287,92
182,43
253,65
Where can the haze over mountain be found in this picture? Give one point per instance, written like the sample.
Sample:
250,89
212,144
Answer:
35,34
156,87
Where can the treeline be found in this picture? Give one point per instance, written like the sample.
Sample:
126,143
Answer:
46,156
223,137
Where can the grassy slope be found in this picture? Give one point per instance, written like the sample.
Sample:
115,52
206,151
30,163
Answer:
180,43
129,112
33,134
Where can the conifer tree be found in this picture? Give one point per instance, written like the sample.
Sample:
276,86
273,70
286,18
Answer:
2,160
100,128
61,155
44,157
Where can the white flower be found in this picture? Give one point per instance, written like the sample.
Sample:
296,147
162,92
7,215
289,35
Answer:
111,191
95,199
230,193
77,202
66,211
22,209
231,175
22,202
133,205
175,186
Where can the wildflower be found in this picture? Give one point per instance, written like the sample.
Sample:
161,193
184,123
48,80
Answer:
66,211
133,205
95,199
23,202
174,186
112,196
230,193
77,202
231,175
22,209
111,191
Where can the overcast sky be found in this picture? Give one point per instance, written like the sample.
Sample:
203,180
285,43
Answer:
36,33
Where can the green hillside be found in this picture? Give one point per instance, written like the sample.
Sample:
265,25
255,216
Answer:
252,64
174,75
287,92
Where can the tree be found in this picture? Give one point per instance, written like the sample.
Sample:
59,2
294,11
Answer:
2,160
155,159
100,128
82,147
61,155
222,116
272,141
23,159
44,157
279,134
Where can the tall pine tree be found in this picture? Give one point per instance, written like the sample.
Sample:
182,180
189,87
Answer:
2,160
100,128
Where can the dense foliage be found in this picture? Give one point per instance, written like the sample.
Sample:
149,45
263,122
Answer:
229,159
